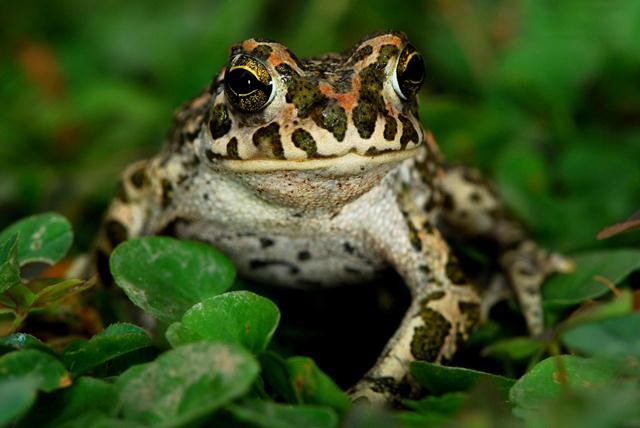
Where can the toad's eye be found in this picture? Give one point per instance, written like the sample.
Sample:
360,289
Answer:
247,84
409,73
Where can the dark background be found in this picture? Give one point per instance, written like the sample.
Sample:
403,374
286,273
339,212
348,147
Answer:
544,96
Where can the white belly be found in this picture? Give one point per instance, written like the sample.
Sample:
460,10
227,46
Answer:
299,262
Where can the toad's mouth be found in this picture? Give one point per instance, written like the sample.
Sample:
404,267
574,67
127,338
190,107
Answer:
349,163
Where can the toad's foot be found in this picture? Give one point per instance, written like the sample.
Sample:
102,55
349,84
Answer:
527,266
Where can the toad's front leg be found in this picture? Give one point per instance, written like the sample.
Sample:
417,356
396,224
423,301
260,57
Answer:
443,310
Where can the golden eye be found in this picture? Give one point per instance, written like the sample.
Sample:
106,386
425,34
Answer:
409,74
248,84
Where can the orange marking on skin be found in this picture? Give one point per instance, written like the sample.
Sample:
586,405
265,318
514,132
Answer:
394,40
280,56
346,101
326,89
249,44
285,55
275,60
389,39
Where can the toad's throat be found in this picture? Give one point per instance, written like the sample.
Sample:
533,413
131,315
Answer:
349,163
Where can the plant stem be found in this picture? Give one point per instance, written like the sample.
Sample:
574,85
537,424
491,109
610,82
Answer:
18,319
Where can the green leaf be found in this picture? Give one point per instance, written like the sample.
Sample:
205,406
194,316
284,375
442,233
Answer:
95,419
420,420
54,290
447,404
21,298
313,386
613,405
266,414
442,379
44,371
240,317
299,380
165,276
44,238
9,268
362,415
115,340
545,381
87,396
186,384
8,249
621,304
614,265
515,349
17,395
23,341
122,363
614,337
276,373
432,411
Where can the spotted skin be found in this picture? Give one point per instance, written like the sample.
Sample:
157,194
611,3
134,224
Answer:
268,140
328,180
471,207
219,123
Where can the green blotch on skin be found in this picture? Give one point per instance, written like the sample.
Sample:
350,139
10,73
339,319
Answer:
387,52
415,239
343,84
427,169
436,295
408,132
454,272
269,137
385,385
232,149
390,128
370,100
332,118
167,192
304,95
361,54
220,122
285,71
371,82
304,141
429,338
472,312
364,119
414,236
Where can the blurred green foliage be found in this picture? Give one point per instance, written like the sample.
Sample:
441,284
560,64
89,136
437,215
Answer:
542,95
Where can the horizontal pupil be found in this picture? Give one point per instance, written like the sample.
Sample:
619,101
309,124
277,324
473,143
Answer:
243,81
